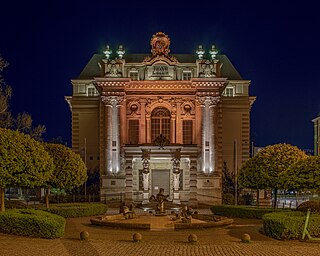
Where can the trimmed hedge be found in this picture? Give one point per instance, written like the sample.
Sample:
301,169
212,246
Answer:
240,211
289,225
32,222
71,210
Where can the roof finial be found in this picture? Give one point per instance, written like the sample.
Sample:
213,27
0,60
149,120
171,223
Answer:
200,52
213,52
120,51
107,52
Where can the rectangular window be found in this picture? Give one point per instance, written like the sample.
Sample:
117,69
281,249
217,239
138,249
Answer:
229,92
187,131
134,75
186,75
155,128
91,91
166,128
133,131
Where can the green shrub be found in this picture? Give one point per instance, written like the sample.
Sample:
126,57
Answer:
314,206
289,225
240,211
71,210
228,199
31,222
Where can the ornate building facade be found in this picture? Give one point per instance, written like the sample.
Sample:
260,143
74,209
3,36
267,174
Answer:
316,135
151,121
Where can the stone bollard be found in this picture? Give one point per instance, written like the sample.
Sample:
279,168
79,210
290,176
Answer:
84,235
193,238
137,237
246,238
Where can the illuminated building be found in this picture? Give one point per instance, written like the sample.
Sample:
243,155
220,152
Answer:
151,121
316,123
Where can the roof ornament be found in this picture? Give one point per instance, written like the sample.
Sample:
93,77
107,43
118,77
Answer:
107,52
160,43
200,52
213,52
120,51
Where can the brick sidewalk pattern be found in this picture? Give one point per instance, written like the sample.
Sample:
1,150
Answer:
109,241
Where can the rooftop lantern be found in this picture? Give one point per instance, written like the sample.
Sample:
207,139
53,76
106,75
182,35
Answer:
120,51
107,52
200,52
213,52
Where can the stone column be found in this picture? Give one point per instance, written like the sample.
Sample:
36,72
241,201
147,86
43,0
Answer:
148,120
112,104
208,104
143,121
179,129
212,103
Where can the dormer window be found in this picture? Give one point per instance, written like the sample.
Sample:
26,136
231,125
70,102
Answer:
186,75
229,91
92,91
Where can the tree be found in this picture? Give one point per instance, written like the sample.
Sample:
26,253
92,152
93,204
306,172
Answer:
70,171
304,174
228,185
268,169
23,162
23,122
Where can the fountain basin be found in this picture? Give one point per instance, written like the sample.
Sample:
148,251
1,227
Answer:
160,223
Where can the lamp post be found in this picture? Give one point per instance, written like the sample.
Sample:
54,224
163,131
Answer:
235,172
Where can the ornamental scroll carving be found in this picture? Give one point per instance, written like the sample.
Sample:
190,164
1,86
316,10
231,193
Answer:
211,101
207,69
160,43
133,107
112,101
113,68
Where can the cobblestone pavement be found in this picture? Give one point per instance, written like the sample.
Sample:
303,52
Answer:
108,241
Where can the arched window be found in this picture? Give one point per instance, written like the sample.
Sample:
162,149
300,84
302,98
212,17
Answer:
160,123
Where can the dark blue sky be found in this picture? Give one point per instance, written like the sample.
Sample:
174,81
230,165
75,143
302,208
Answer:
275,45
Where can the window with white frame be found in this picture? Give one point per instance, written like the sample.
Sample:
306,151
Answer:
229,91
186,75
91,91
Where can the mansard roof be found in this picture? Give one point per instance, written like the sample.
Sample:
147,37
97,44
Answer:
92,69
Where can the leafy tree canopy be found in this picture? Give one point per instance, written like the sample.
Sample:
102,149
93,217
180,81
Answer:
304,174
269,167
70,171
23,161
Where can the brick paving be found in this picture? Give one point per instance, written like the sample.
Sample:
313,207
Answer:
109,241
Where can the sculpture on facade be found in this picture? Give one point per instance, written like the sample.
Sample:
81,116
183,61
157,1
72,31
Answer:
160,198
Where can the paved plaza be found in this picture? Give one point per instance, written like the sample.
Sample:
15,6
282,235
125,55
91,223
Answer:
109,241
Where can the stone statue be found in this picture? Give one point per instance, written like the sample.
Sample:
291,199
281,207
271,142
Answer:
160,199
186,214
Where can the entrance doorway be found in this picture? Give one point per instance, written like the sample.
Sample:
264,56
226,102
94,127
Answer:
160,179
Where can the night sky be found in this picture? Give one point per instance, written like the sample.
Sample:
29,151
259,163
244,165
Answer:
275,45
